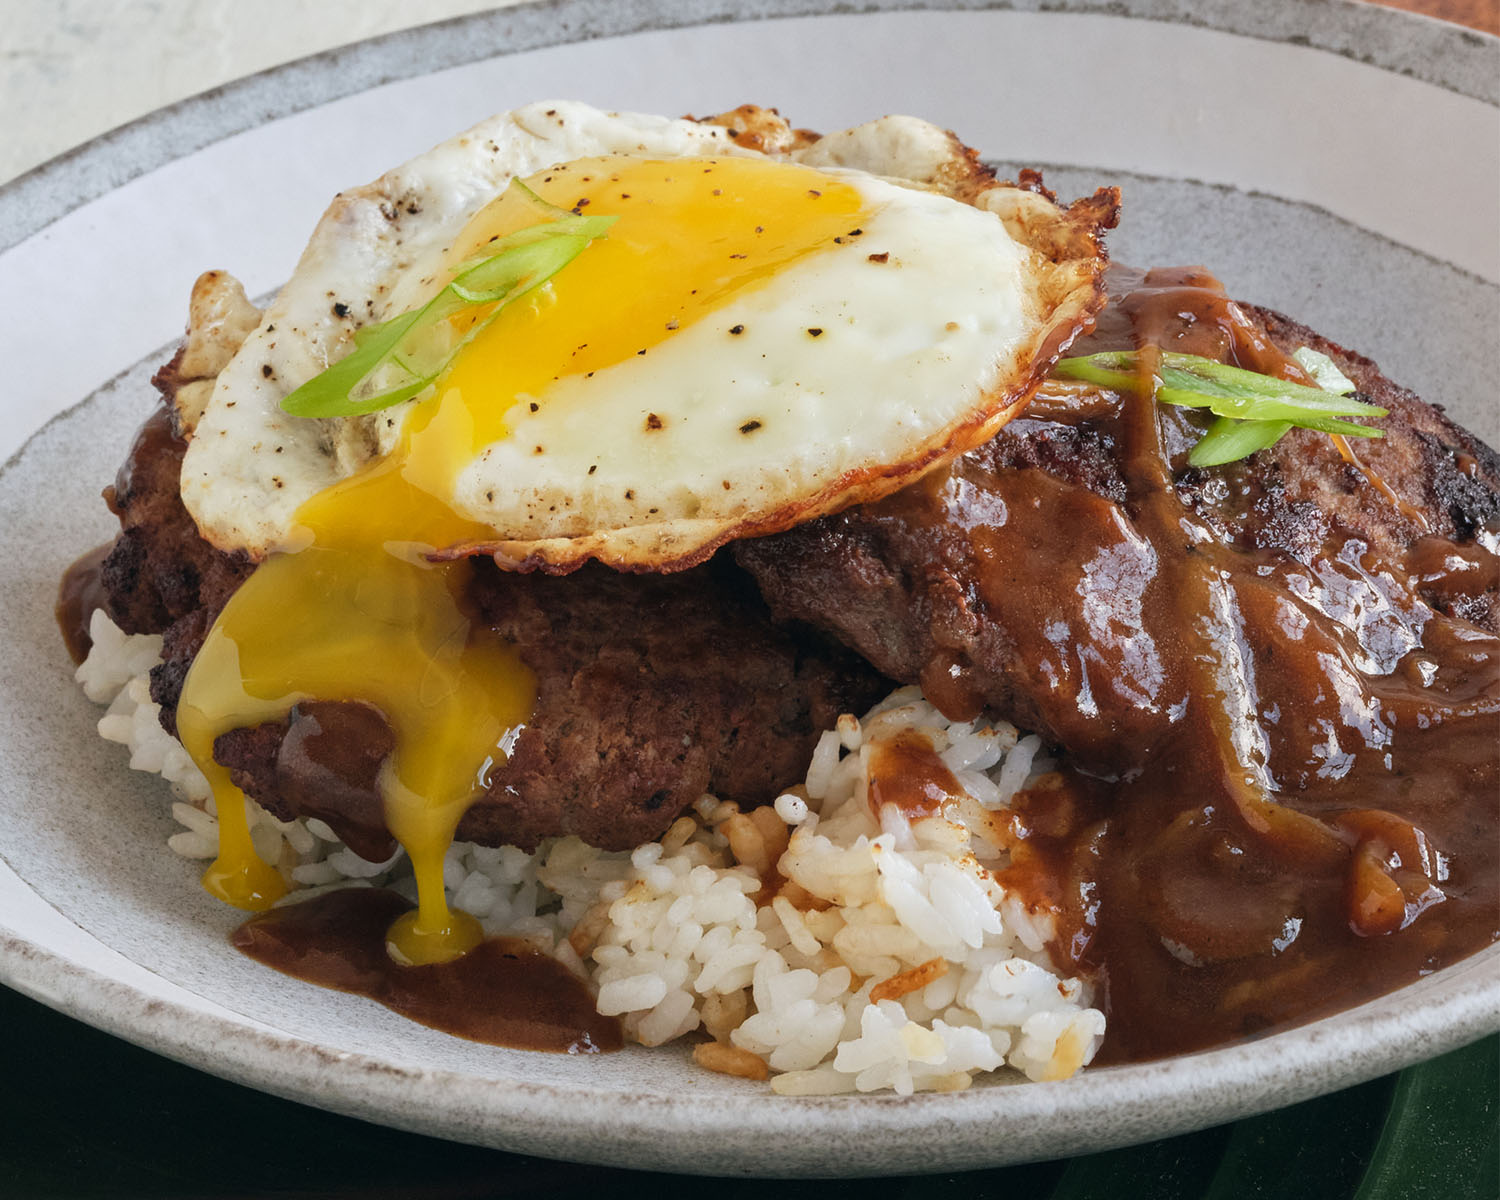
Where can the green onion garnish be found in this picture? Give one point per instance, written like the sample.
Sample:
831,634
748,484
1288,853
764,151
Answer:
397,359
1254,410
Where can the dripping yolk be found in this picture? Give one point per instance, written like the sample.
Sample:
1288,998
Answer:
358,612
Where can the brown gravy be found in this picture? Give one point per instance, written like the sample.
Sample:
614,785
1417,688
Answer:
502,992
1284,800
906,771
81,591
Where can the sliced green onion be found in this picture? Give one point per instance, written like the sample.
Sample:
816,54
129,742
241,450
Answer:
1228,440
1254,410
398,359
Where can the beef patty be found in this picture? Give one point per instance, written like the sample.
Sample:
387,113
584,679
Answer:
972,583
1277,680
651,690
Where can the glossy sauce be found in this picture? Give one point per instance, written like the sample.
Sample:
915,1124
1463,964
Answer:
79,594
502,992
157,446
1285,800
906,771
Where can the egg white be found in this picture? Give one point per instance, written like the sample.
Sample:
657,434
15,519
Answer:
906,344
919,357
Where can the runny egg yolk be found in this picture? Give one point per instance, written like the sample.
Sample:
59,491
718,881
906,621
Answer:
358,613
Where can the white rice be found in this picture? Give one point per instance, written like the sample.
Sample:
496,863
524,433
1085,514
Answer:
670,935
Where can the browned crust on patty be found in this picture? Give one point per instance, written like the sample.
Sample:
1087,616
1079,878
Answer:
891,582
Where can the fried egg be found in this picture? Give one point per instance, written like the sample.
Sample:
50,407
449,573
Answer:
762,338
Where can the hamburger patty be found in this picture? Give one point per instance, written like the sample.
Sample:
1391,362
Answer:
1278,681
651,690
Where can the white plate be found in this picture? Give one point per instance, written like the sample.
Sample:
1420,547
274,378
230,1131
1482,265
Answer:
1341,165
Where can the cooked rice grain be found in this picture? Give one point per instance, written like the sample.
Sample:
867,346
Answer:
890,958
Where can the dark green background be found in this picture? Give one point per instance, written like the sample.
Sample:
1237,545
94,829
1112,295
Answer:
85,1114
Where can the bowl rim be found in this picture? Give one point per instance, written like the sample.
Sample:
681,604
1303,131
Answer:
1449,56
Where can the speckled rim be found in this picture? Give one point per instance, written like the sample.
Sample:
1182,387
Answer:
1448,56
1099,1109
